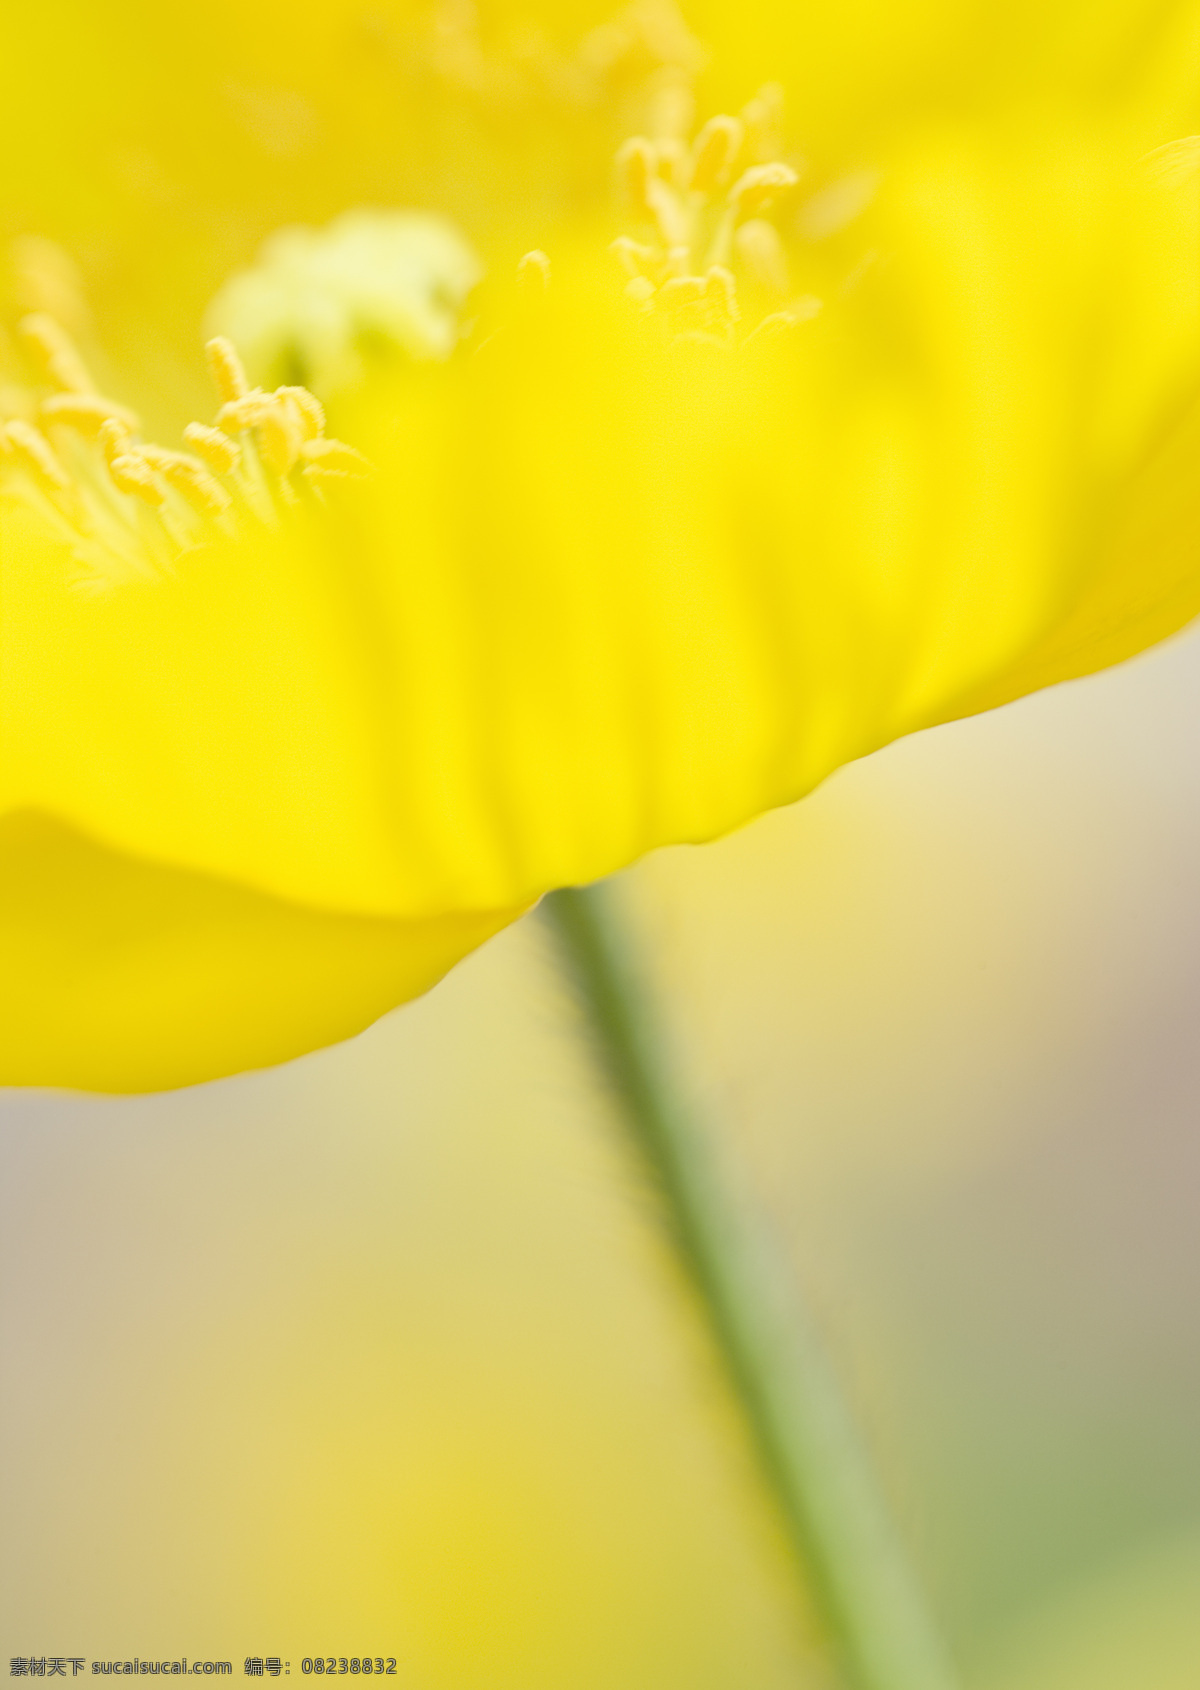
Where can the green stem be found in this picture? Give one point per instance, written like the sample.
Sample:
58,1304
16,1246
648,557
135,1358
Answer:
807,1448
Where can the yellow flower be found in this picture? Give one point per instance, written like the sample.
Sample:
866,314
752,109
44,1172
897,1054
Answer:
626,572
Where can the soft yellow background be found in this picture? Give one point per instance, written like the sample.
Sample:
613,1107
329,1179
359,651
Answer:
376,1352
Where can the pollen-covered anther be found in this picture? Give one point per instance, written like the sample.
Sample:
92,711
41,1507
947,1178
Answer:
654,196
759,187
218,451
335,457
86,413
34,453
132,474
225,367
715,152
312,412
636,170
54,350
114,437
281,433
238,415
189,477
533,274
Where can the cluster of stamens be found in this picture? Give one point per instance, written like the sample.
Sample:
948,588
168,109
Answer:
127,506
701,205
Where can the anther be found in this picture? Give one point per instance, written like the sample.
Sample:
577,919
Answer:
533,273
34,453
219,452
55,351
86,413
238,415
636,170
759,187
335,455
312,412
188,477
226,369
132,474
715,152
114,438
281,435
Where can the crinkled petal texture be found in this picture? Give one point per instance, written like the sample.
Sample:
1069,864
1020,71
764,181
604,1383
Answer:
605,592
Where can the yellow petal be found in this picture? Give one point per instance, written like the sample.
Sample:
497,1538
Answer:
128,976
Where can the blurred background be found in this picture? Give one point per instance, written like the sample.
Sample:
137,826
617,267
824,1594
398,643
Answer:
379,1353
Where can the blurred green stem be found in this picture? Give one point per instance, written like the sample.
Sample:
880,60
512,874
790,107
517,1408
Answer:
816,1469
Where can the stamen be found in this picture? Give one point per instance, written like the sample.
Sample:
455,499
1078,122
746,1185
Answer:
189,477
636,169
132,474
219,452
55,351
312,412
114,438
760,186
281,434
226,369
332,456
238,415
35,454
715,152
86,413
